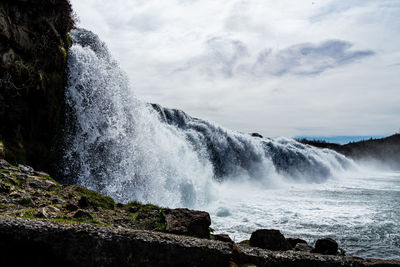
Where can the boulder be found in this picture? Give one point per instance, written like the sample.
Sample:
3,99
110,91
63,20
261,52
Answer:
257,135
326,246
294,241
187,222
269,239
47,212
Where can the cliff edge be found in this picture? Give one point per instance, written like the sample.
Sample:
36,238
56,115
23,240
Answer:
34,46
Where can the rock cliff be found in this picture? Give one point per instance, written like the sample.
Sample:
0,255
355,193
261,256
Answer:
34,46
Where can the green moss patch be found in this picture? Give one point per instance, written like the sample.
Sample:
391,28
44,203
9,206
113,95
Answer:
95,198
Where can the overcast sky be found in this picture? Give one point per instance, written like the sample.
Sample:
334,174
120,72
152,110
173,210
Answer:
309,68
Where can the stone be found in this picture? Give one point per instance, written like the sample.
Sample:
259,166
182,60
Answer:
269,239
304,247
326,246
187,222
222,237
50,212
257,135
294,241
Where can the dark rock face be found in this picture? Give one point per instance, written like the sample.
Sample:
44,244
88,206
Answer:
26,242
269,239
33,52
187,222
326,246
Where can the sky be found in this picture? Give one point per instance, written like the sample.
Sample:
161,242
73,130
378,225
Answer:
280,68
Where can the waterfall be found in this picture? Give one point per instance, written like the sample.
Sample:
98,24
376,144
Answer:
120,146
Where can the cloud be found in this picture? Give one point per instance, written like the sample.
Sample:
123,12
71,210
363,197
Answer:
221,56
308,58
231,57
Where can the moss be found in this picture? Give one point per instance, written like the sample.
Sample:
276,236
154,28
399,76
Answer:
95,198
29,213
162,226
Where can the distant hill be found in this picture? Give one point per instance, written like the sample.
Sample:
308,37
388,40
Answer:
384,150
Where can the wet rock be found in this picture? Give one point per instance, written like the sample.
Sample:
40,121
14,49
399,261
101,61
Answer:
304,247
80,214
222,237
326,246
83,202
269,239
257,135
187,222
71,207
294,241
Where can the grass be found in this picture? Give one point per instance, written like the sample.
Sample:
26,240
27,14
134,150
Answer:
95,198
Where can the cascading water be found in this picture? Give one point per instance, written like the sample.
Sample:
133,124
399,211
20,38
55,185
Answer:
131,150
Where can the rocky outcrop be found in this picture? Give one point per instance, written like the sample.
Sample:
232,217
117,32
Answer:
25,242
34,45
326,246
269,239
187,222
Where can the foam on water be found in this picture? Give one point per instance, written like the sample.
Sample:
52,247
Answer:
131,150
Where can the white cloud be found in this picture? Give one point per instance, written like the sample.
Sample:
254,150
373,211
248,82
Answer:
276,67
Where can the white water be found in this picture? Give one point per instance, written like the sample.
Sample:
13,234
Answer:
131,150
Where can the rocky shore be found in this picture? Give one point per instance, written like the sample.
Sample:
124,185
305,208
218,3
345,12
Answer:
69,225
